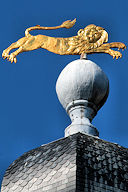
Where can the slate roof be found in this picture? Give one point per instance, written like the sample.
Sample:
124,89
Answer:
78,163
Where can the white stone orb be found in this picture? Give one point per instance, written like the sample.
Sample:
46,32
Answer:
82,79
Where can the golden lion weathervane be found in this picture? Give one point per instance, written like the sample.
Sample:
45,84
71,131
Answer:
88,40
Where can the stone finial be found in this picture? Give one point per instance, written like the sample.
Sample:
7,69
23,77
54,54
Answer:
82,89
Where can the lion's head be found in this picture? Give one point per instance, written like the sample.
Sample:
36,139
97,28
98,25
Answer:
94,34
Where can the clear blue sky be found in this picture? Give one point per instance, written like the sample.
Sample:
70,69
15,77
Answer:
30,113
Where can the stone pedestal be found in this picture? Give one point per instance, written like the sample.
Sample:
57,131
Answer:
82,89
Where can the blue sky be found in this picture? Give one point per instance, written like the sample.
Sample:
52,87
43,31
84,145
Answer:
30,113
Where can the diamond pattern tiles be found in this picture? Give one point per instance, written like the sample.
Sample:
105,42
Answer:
48,168
78,163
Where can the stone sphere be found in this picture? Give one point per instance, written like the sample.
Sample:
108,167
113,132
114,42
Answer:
82,80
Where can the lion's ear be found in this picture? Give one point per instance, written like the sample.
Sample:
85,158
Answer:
80,32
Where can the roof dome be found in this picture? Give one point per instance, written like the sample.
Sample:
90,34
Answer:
75,163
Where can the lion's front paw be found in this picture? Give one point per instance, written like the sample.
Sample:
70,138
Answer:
12,58
121,46
115,54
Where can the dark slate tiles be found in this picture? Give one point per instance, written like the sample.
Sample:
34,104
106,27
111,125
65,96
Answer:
78,163
103,164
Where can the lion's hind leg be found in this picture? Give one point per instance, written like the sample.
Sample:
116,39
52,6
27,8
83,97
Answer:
31,44
15,45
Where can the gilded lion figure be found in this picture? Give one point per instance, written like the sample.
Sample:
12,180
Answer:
91,39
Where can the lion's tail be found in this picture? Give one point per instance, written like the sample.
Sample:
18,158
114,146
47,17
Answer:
37,27
66,24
